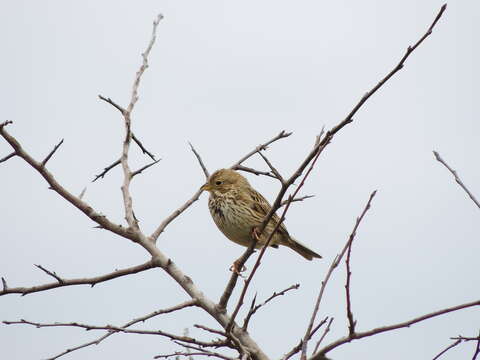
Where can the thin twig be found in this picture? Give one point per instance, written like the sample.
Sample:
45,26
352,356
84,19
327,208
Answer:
457,179
199,158
128,324
382,329
44,162
477,348
332,267
80,281
113,103
51,273
105,170
254,309
111,328
177,354
446,349
325,332
213,331
203,352
8,157
153,238
283,134
301,198
139,171
140,145
351,321
254,171
298,347
274,170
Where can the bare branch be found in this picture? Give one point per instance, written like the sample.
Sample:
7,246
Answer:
253,171
8,157
325,332
80,281
72,199
144,66
301,198
379,330
177,354
446,349
140,145
111,328
254,309
130,323
202,352
298,347
52,274
105,170
113,103
139,171
44,162
333,266
174,215
264,146
213,331
351,321
477,348
457,179
274,170
202,165
321,144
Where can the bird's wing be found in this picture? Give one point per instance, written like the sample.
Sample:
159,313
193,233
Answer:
262,206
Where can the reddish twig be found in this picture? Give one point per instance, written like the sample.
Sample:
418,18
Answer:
382,329
351,321
333,266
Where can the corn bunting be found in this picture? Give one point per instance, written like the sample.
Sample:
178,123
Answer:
237,209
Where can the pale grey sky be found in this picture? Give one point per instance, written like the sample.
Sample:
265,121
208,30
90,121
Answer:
227,76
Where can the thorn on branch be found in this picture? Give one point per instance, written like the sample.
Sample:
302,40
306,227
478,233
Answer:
8,156
144,150
4,284
52,274
82,193
105,170
44,162
5,123
114,104
139,171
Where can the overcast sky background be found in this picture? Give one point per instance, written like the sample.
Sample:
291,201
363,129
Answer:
227,76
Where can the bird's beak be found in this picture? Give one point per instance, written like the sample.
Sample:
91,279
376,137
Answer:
206,187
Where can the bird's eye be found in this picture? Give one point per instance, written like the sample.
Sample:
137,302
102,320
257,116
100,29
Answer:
218,182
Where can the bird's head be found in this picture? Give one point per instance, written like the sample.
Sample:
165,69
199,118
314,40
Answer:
224,180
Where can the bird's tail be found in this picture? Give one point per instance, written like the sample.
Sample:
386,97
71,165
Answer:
302,249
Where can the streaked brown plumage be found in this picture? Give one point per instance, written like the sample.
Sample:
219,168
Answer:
237,209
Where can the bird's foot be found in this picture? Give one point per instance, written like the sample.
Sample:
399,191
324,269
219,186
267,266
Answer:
236,268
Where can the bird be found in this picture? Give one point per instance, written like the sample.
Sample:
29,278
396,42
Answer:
238,209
